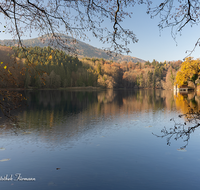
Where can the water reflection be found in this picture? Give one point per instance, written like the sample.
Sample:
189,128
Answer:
97,140
64,116
189,107
179,131
51,108
58,116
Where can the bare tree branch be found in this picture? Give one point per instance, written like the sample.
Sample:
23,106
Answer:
180,130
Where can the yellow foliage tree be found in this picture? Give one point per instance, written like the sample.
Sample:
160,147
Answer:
189,71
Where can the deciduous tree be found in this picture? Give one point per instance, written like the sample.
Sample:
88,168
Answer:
189,71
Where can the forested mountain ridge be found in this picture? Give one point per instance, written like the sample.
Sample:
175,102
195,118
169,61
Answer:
37,67
83,49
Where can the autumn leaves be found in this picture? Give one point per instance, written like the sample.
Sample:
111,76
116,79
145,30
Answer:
189,71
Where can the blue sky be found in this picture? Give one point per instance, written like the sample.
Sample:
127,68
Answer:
152,43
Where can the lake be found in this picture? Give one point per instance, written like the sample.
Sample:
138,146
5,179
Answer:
101,140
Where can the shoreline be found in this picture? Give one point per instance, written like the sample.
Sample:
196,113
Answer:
61,88
78,88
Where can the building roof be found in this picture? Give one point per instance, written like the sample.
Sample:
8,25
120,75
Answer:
184,86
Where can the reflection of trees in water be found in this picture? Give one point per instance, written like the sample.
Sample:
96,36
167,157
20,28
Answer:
106,96
189,105
59,116
57,99
72,102
182,102
68,115
181,130
149,100
186,101
50,107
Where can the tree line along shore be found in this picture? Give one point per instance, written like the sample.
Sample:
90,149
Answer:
48,68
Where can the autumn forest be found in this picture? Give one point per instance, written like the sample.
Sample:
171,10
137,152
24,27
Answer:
37,67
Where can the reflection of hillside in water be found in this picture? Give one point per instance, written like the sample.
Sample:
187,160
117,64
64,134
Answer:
128,102
149,100
186,101
57,116
72,102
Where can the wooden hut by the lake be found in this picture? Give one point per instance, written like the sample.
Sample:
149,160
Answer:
183,89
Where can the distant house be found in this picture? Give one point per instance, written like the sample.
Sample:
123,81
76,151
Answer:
183,88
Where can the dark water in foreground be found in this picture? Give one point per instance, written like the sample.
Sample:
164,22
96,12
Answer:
100,141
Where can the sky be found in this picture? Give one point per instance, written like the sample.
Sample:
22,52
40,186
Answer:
152,44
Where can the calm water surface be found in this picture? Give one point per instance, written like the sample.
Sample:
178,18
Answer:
105,140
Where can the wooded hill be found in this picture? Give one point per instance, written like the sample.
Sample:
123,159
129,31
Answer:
50,68
83,49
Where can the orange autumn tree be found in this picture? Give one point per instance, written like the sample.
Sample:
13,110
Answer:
189,71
